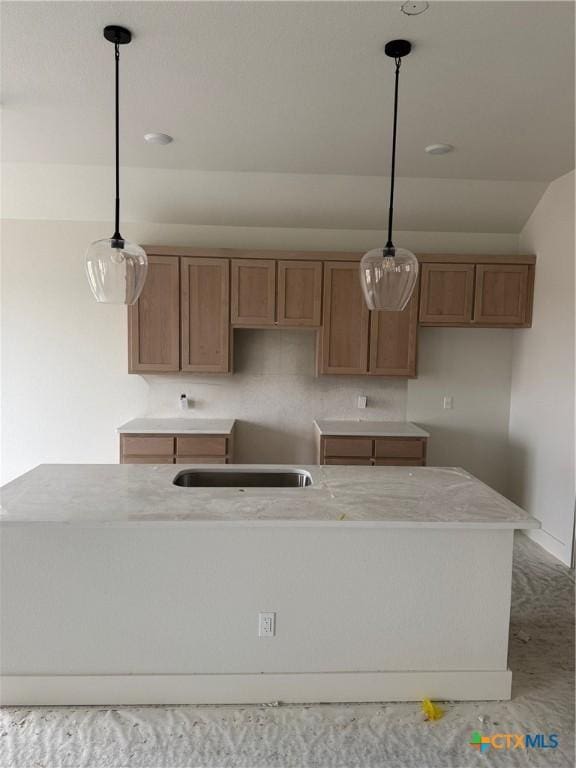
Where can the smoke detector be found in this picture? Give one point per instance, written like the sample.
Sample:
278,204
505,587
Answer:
410,8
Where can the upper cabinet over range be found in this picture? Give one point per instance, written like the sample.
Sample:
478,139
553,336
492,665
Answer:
194,298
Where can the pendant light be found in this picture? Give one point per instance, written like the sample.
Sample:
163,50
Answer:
116,268
388,275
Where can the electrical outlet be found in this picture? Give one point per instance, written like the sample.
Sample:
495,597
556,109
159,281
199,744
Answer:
266,624
362,401
448,403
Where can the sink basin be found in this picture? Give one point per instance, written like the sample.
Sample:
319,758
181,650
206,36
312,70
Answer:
243,478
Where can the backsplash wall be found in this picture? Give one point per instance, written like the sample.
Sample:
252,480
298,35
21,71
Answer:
275,396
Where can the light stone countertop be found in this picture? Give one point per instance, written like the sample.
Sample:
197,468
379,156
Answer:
174,426
127,494
345,428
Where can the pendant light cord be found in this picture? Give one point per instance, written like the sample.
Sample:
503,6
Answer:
117,237
390,244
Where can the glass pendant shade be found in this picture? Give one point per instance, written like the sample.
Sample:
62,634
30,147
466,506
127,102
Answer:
388,277
116,275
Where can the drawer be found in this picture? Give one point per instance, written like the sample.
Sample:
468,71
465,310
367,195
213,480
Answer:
200,460
399,448
133,445
147,460
398,463
201,446
345,446
354,462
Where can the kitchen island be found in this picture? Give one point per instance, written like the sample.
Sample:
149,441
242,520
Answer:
387,583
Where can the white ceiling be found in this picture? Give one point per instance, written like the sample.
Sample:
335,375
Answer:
292,87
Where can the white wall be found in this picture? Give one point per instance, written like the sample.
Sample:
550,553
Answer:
471,365
542,391
66,389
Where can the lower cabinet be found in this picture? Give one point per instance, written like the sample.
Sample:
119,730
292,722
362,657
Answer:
176,449
368,451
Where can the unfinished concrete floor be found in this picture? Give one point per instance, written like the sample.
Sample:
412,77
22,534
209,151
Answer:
326,736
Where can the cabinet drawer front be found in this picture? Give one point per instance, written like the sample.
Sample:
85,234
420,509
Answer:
398,463
147,446
344,446
200,460
147,460
201,446
393,448
349,461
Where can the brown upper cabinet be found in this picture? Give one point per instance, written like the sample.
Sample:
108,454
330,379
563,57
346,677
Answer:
394,340
153,322
299,293
193,298
205,315
447,293
503,294
482,294
357,341
181,322
343,343
267,293
253,292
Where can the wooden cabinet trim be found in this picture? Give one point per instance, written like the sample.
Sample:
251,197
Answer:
243,253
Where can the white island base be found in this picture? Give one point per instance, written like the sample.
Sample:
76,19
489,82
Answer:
157,609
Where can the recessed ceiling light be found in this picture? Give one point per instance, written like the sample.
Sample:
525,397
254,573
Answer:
439,149
157,138
414,9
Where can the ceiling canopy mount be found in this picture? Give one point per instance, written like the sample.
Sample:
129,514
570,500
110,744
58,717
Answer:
397,49
117,35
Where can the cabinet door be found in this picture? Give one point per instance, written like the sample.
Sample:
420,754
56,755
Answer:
503,294
299,293
205,316
253,292
393,340
154,321
447,294
344,337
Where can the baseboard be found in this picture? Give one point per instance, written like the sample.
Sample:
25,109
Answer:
298,688
552,545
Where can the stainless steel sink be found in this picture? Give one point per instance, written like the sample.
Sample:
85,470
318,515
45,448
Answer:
243,478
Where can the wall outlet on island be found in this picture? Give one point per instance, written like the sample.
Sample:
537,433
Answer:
266,624
448,402
362,401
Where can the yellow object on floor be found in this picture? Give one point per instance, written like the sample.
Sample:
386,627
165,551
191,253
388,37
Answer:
432,711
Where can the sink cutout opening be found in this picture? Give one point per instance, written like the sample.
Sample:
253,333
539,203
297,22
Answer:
242,478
